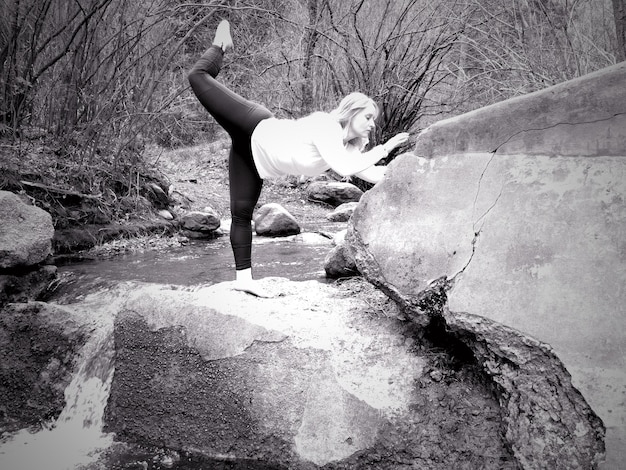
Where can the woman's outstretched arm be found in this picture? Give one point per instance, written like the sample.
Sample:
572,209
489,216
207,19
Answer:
373,174
329,144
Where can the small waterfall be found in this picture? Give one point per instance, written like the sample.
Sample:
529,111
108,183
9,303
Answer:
75,439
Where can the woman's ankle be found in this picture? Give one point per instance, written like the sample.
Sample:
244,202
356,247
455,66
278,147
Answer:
243,275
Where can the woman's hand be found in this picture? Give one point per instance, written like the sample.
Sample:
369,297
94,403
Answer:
396,141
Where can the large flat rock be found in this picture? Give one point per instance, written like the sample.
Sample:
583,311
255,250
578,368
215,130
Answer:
299,381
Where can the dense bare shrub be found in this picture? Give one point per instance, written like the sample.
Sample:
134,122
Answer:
512,48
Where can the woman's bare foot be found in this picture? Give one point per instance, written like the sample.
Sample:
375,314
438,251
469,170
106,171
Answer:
223,38
252,287
244,282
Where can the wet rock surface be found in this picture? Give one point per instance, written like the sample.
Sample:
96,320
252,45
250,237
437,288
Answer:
72,240
38,349
25,285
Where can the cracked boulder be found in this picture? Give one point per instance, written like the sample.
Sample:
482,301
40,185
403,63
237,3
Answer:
510,236
481,231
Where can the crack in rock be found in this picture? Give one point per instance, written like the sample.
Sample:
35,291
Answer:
477,231
548,422
482,218
552,126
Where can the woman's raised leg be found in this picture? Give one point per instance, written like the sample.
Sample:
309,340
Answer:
237,115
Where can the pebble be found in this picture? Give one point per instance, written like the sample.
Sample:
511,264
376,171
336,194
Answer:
436,375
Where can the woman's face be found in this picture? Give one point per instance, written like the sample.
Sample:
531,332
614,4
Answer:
362,123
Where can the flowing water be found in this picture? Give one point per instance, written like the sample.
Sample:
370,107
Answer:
297,258
76,435
95,288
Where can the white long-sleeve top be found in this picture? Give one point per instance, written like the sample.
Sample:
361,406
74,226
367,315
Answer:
309,146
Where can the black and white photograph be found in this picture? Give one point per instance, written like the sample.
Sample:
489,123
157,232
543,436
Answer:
313,234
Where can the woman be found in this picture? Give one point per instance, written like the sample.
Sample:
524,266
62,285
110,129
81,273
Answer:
264,146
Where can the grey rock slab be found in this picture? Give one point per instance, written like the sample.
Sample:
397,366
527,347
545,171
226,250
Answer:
300,380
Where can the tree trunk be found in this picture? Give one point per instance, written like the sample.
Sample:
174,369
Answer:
619,9
310,41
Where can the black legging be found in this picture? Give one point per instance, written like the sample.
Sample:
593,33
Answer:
238,117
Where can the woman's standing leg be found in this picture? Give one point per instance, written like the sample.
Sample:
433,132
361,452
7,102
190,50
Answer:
238,117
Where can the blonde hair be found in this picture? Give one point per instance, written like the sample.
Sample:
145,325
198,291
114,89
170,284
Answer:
347,108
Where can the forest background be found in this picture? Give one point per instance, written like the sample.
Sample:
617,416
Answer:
91,87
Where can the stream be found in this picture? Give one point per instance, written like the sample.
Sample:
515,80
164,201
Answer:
97,288
298,258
